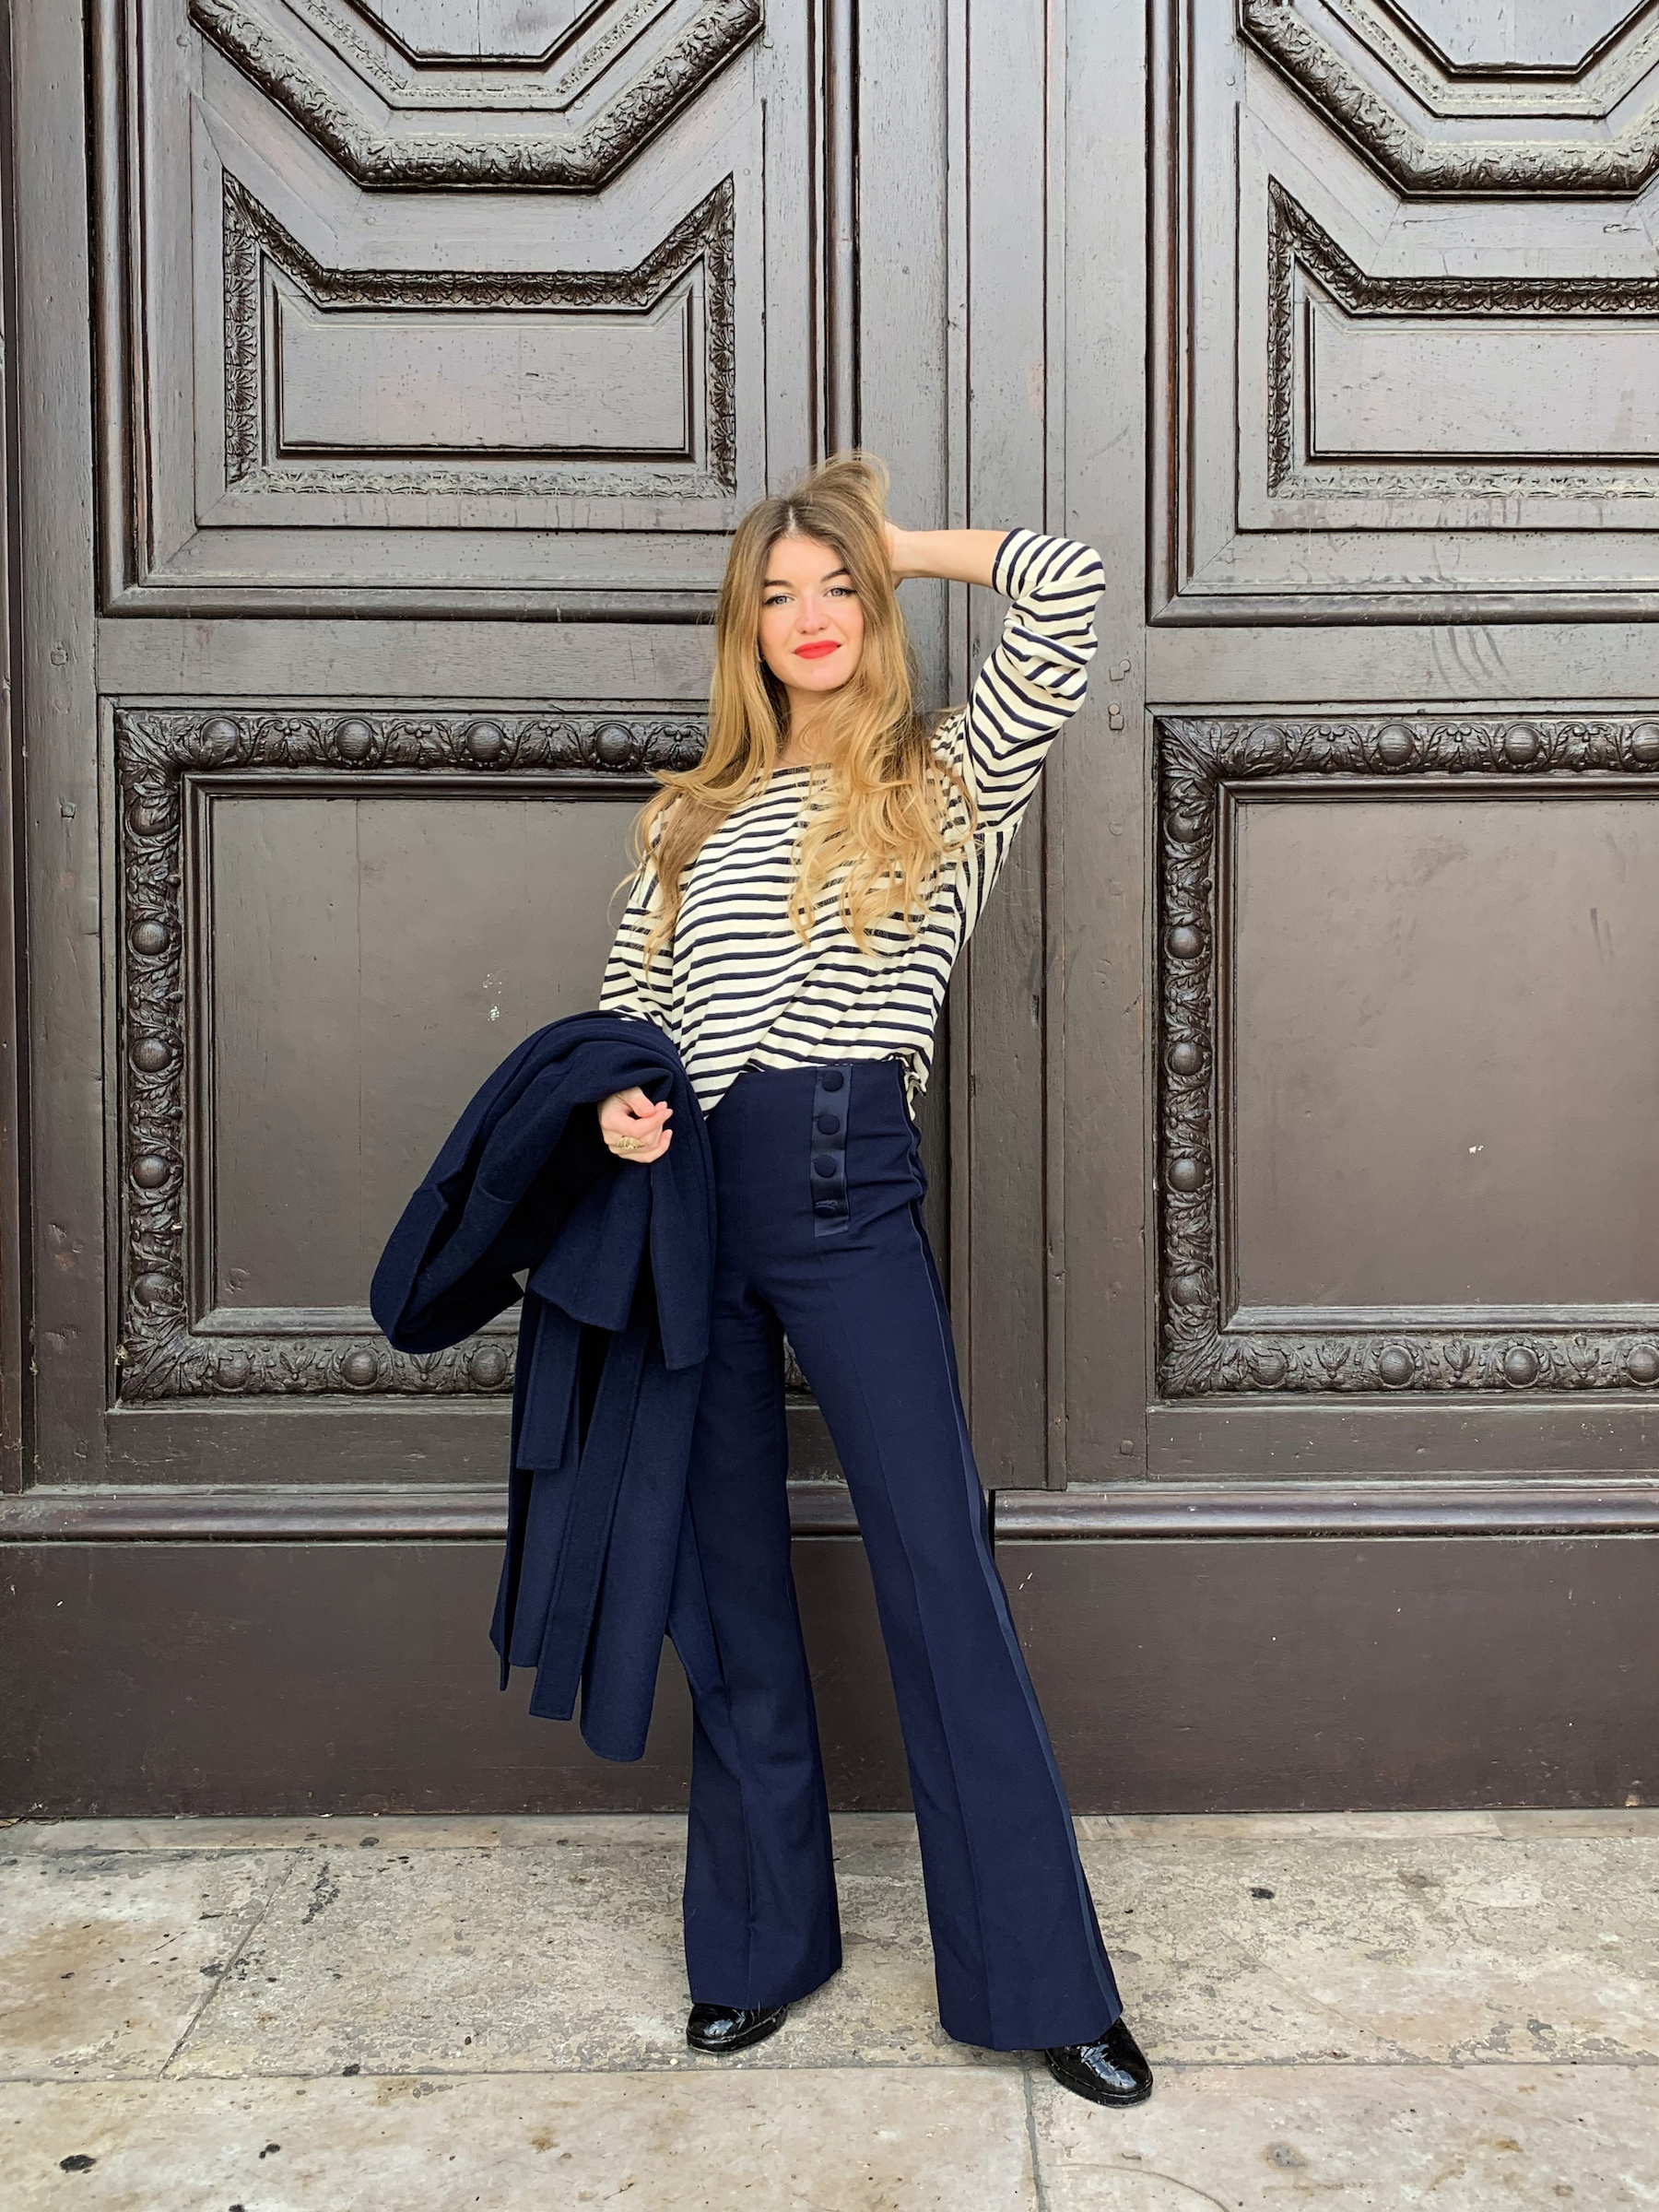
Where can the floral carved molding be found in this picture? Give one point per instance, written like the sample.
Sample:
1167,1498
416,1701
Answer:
1604,164
586,49
574,161
164,1352
256,243
1200,1354
1299,248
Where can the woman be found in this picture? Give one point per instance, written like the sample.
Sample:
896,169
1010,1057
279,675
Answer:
802,895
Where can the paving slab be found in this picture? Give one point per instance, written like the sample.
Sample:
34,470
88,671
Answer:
1451,1949
392,1831
1359,2139
934,2139
1582,1820
566,1957
410,1832
463,1960
106,1960
1370,2011
460,1831
1204,1828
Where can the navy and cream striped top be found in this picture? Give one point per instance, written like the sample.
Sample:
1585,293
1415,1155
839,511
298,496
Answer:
738,988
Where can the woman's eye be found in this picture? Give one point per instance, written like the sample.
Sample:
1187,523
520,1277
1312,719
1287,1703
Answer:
843,590
777,599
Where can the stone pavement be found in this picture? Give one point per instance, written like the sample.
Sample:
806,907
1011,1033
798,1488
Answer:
1453,2010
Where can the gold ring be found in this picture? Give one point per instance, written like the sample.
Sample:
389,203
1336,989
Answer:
627,1144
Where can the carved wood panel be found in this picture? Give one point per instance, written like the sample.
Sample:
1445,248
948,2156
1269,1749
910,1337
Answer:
1211,1342
318,398
1554,105
188,1330
621,72
395,319
180,1335
1365,369
1404,313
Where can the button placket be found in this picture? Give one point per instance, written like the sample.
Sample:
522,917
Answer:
828,1173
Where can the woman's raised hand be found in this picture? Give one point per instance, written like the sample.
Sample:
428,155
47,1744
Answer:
634,1128
959,556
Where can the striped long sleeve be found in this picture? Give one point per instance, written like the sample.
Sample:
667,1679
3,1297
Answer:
738,988
629,986
1034,680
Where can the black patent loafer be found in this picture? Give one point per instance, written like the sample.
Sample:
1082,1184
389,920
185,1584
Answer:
1114,2071
720,2029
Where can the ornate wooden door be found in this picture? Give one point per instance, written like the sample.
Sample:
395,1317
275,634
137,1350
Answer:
381,394
1361,1303
391,374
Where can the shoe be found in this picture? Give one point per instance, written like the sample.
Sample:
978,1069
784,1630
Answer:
718,2029
1113,2071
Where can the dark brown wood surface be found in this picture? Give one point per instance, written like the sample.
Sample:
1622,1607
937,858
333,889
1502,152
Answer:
353,1676
1340,1675
1176,1677
15,1407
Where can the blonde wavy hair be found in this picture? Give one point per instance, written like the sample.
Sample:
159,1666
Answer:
883,821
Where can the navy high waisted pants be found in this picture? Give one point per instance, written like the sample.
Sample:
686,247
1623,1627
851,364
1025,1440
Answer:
819,1186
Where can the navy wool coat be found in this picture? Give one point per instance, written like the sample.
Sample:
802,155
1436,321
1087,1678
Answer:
612,1337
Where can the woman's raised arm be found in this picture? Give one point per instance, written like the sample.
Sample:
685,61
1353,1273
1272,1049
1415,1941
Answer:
957,556
1036,676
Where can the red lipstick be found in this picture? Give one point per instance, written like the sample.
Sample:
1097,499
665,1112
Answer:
816,652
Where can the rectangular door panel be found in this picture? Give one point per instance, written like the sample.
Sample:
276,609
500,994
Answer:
1419,985
1386,965
1403,314
568,388
492,332
536,389
370,959
1455,390
356,1678
332,925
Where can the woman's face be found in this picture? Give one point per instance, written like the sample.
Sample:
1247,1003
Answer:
811,622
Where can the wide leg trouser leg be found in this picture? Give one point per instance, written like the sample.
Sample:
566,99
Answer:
760,1915
1017,1951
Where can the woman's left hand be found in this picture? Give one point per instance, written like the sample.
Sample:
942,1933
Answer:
634,1127
959,556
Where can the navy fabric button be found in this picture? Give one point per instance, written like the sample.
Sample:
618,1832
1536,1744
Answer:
828,1151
